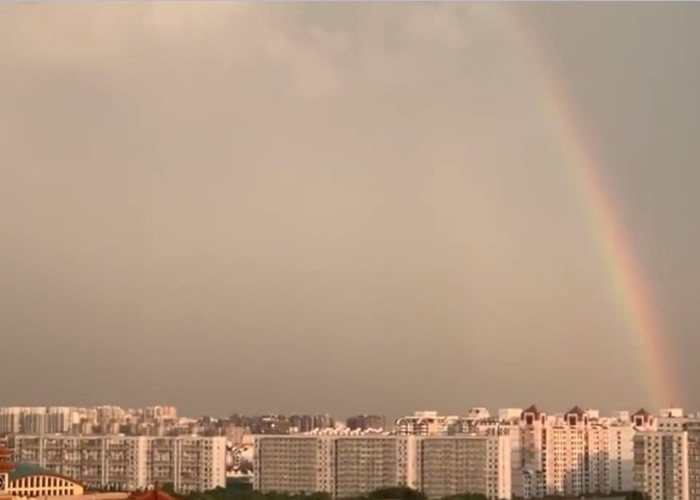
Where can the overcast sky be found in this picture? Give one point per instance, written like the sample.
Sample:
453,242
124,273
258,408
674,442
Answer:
344,208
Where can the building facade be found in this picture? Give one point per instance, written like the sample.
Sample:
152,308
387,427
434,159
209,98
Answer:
451,465
190,463
574,454
661,464
621,457
353,465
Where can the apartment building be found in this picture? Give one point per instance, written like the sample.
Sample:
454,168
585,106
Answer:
451,465
10,419
35,420
661,464
294,463
366,463
693,430
353,465
575,454
621,456
190,463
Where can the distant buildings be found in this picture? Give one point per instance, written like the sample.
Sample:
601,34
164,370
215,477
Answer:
366,422
156,420
425,423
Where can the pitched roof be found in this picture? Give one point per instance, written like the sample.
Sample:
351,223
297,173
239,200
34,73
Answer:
641,413
576,410
532,409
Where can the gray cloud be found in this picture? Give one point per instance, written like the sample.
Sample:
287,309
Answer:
333,207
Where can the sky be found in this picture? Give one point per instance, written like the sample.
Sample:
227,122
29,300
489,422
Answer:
342,208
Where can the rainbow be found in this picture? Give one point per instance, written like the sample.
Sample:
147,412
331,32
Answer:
628,282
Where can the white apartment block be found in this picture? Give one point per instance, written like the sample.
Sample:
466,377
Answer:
621,456
574,454
661,464
190,463
352,465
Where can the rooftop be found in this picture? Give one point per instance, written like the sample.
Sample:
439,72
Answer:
28,470
153,494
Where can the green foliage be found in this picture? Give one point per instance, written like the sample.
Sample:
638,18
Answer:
241,491
168,488
467,496
397,493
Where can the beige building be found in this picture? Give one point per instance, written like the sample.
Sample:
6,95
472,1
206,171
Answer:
190,463
693,430
661,464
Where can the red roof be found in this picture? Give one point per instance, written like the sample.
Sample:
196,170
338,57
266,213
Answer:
154,494
7,467
5,464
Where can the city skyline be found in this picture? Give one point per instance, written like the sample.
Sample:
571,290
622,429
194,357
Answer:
328,207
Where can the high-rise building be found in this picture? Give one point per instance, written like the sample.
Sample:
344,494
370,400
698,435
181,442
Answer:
574,454
293,463
190,463
10,419
160,413
353,465
451,465
59,419
661,464
693,430
34,420
366,463
621,456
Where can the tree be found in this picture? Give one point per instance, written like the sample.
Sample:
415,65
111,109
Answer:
397,493
466,496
